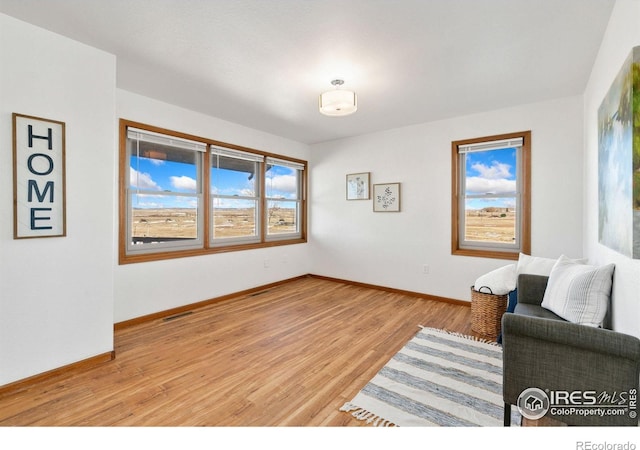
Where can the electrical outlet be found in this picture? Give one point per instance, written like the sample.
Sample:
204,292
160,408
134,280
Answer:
425,269
266,263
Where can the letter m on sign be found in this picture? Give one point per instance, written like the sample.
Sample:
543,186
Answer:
33,188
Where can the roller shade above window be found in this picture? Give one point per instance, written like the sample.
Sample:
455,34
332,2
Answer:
282,162
144,136
231,153
493,145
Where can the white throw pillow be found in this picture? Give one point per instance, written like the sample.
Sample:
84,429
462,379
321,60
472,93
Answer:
534,265
579,293
501,281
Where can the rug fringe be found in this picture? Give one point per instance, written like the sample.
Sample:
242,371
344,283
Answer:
460,335
363,414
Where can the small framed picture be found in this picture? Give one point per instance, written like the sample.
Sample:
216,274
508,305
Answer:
358,186
386,197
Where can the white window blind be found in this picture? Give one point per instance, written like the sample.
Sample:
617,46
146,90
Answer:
284,163
238,154
163,139
493,145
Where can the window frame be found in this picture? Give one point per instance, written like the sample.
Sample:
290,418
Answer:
205,245
523,197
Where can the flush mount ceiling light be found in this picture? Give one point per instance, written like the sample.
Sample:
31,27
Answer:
338,102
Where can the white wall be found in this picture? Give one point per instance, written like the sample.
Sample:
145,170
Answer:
623,33
389,249
59,297
145,288
56,294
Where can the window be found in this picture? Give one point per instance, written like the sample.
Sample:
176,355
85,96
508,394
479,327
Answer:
283,196
235,193
164,192
491,196
171,205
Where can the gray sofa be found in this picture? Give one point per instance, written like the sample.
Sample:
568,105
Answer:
541,350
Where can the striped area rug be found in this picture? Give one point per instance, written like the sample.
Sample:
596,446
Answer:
437,379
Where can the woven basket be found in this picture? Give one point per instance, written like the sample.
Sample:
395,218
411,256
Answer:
486,312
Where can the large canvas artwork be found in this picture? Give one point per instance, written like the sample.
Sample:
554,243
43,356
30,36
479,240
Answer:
619,161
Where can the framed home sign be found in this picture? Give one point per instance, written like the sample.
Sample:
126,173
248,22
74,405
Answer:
386,197
358,186
38,177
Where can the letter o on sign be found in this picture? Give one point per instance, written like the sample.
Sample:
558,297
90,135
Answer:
38,170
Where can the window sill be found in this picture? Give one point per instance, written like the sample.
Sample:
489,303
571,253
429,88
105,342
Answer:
510,255
160,256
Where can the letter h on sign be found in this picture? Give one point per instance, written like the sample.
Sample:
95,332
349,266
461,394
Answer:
38,177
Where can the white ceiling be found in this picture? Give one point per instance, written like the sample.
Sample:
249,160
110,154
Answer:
262,63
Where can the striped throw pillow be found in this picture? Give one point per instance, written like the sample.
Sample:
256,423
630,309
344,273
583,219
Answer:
579,293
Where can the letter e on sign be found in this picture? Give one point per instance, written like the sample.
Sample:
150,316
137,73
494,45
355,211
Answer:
39,198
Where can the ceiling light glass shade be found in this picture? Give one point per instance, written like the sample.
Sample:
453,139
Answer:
338,103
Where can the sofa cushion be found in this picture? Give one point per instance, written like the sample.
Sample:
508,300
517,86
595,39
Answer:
579,293
535,311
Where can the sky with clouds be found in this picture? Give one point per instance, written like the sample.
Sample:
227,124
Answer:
152,175
491,172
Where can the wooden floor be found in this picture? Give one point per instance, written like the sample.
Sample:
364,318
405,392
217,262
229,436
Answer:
289,356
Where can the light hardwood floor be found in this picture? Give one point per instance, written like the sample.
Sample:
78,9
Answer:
289,356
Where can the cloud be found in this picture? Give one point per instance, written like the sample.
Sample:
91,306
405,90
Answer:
497,170
184,183
478,185
493,179
283,183
142,180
